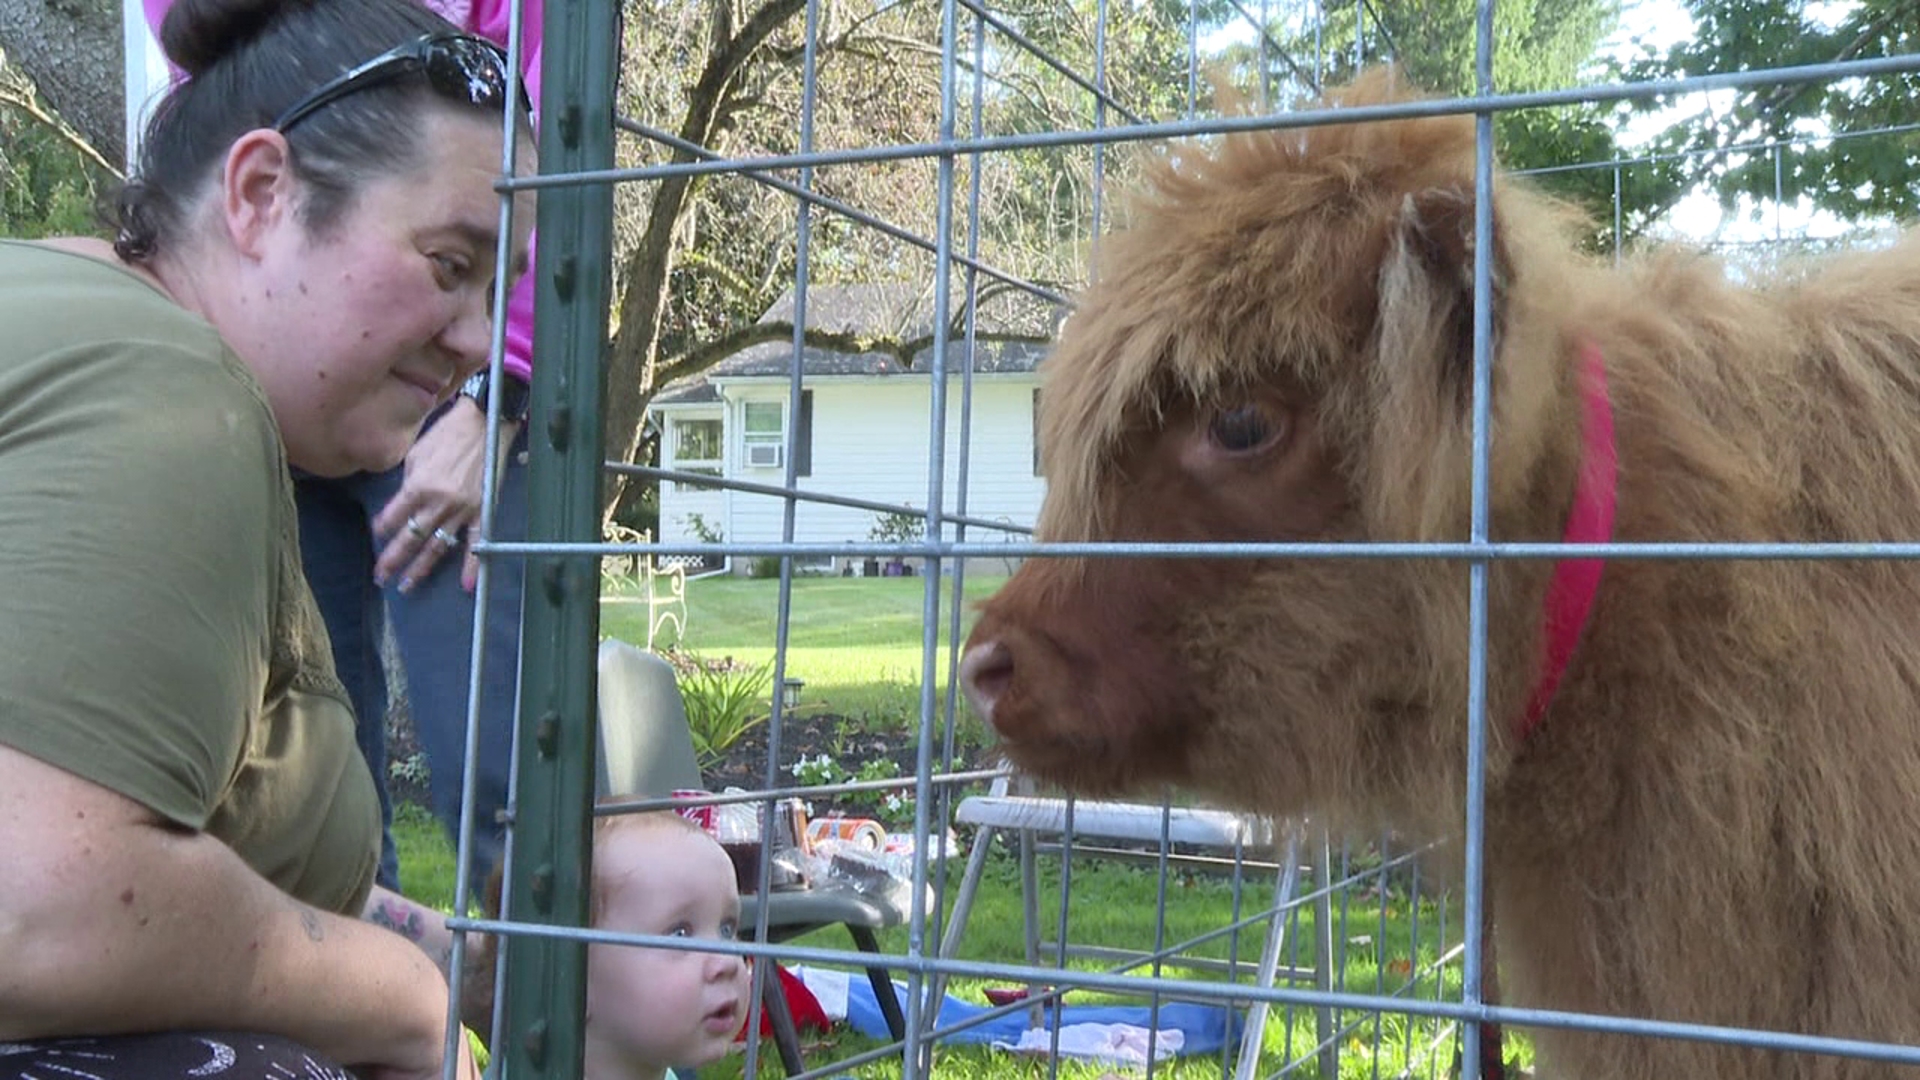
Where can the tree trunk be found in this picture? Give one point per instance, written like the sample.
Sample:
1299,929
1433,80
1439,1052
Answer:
633,354
72,51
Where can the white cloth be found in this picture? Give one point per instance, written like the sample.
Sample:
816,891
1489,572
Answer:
829,988
1121,1044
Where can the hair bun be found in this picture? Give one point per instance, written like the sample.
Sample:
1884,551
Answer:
196,34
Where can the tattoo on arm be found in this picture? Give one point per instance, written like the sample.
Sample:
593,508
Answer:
402,919
310,919
410,921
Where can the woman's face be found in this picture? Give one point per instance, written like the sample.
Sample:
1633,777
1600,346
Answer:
375,320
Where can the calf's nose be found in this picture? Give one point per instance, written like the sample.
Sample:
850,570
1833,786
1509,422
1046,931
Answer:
985,671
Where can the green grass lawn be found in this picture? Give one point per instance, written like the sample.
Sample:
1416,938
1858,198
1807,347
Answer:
1114,904
857,642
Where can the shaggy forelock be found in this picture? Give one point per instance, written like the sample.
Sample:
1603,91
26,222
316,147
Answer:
1246,256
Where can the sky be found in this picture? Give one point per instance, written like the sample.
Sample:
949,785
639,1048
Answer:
1663,23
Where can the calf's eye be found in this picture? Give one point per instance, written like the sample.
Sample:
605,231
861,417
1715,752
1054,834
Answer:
1245,429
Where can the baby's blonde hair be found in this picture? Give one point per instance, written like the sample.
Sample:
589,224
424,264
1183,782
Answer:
604,829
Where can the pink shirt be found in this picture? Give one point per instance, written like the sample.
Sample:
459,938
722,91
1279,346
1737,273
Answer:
487,19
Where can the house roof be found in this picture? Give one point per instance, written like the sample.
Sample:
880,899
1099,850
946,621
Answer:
898,310
692,390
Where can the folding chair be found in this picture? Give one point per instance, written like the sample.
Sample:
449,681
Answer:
646,750
1030,817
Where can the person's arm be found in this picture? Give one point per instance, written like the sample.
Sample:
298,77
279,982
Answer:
114,920
418,923
427,928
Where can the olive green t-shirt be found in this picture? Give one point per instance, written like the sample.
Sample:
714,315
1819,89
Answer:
156,634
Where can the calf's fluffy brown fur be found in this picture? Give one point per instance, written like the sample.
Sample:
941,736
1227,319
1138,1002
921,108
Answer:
1719,819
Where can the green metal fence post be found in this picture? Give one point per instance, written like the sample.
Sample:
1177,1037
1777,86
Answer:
546,978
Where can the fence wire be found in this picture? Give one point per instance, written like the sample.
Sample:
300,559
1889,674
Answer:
1335,958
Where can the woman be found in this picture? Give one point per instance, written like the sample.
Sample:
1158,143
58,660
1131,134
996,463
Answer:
387,547
384,549
302,273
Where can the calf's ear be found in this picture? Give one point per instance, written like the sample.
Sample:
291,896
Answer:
1423,352
1426,290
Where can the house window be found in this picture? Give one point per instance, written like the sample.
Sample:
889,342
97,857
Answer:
763,435
696,449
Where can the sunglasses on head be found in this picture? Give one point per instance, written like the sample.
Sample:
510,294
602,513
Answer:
457,66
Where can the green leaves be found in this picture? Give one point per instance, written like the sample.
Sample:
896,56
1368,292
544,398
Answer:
1853,178
49,184
724,700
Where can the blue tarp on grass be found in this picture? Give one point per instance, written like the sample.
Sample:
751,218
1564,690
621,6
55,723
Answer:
1207,1028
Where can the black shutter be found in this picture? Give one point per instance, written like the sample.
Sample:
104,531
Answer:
803,436
1036,431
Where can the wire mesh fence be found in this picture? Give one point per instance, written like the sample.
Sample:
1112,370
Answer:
1207,940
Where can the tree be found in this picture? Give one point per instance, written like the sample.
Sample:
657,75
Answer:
71,51
1538,45
50,179
1853,178
708,254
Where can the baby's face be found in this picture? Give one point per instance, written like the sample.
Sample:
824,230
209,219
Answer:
666,1007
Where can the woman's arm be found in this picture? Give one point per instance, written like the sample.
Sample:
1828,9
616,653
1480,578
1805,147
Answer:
427,928
417,923
113,920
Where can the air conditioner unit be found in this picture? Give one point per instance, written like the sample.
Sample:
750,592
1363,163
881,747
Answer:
765,455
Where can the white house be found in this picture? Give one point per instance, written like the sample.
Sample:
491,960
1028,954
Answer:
860,430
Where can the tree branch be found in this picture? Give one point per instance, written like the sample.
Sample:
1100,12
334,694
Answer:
634,356
26,104
1702,167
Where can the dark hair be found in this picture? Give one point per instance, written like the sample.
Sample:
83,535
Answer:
245,61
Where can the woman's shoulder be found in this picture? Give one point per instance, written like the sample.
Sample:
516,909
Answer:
71,313
74,290
81,258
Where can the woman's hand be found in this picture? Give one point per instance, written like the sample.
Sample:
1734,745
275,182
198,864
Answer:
439,498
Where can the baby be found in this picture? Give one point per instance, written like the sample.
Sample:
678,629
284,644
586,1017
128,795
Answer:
648,1009
658,873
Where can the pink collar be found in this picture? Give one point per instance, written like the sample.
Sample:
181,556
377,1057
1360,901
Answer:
1575,581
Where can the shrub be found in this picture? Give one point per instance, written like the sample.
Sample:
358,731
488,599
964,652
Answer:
703,530
897,527
725,700
888,805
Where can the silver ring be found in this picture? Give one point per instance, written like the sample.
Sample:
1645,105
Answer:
414,527
447,539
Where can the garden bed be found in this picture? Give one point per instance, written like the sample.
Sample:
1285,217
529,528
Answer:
848,746
834,748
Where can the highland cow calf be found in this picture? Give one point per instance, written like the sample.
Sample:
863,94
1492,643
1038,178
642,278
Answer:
1704,776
